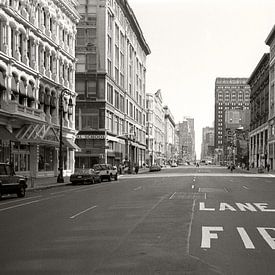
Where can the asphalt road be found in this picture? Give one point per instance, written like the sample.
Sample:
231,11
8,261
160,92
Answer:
183,220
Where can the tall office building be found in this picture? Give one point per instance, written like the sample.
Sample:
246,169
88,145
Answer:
155,128
37,63
186,140
110,82
232,98
207,146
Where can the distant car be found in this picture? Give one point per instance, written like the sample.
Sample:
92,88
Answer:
174,164
85,176
106,171
154,167
10,183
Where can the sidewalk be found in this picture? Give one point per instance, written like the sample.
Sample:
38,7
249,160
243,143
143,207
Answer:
50,182
45,182
256,170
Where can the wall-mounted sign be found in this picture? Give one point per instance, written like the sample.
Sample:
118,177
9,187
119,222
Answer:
90,136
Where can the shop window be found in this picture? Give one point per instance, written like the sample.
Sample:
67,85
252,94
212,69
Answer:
46,158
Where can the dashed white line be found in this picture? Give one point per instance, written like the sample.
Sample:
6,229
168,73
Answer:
90,208
137,188
245,187
172,196
13,201
27,203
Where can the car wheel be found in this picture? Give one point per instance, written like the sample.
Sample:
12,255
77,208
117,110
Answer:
21,192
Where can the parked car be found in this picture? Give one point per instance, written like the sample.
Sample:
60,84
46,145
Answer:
85,176
106,171
174,164
10,183
154,167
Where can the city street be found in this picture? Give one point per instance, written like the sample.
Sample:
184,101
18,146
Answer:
181,220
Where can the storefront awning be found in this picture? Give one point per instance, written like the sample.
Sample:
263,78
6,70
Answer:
6,135
69,143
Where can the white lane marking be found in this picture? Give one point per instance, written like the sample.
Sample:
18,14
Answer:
193,186
270,240
18,205
226,190
8,202
190,227
66,191
245,238
205,197
245,187
27,203
207,235
137,188
172,196
90,208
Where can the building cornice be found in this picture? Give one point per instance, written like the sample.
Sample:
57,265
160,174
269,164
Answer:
270,37
263,62
134,24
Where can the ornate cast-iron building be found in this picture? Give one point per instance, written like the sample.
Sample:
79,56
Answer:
110,82
37,62
258,134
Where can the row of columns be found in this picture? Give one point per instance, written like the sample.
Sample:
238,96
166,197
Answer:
258,148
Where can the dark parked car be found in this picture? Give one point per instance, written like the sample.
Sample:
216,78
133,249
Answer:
154,167
106,171
10,183
85,176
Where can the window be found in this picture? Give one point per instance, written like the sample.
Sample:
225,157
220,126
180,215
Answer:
110,93
80,88
81,63
91,86
117,99
91,61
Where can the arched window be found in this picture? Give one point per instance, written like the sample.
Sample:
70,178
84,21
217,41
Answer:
14,86
22,90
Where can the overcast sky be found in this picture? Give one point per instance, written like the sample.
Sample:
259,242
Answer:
194,41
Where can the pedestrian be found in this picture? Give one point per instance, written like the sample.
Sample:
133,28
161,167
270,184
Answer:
268,167
232,167
136,168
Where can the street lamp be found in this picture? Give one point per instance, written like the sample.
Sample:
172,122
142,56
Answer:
60,178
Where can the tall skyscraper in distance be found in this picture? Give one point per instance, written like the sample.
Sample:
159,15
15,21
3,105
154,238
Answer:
232,98
207,146
186,139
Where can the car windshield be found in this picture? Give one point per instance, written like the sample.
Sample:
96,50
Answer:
99,167
84,171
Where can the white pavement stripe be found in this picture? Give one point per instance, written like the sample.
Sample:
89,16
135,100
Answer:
245,187
90,208
19,200
27,203
137,188
245,238
190,227
172,196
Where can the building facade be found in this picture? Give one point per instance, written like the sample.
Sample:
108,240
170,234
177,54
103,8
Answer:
37,64
207,146
258,133
155,129
169,136
186,140
270,41
232,99
110,82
